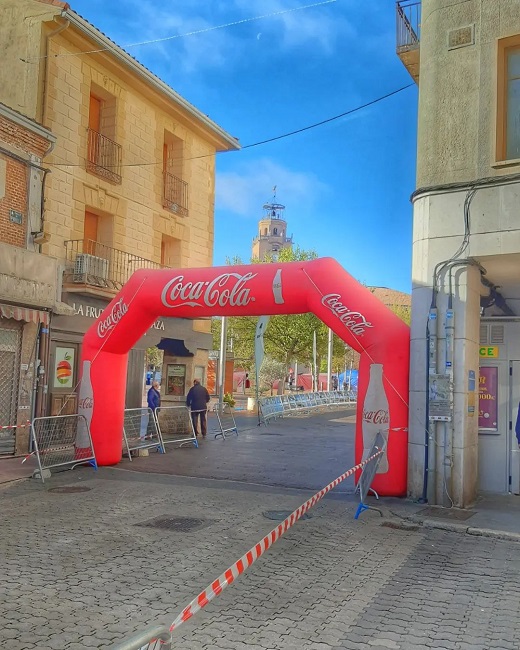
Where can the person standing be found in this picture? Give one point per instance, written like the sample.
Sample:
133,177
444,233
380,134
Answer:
153,399
197,400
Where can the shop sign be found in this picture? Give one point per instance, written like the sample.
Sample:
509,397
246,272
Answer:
63,376
489,352
90,311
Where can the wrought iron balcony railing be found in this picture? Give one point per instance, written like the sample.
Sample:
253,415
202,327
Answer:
104,157
92,264
408,24
175,194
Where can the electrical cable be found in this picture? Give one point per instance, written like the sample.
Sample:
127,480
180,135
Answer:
260,142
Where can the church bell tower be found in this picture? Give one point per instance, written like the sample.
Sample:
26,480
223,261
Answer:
272,231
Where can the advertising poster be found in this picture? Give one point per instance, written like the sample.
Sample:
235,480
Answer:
64,368
176,380
488,399
439,403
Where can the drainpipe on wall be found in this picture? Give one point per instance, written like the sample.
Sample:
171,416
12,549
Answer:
55,32
428,495
449,328
43,371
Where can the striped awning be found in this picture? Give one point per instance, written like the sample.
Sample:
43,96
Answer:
24,314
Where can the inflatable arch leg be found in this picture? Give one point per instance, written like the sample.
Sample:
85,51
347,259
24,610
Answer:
320,286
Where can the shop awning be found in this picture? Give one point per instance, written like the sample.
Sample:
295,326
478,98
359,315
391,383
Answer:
24,314
174,347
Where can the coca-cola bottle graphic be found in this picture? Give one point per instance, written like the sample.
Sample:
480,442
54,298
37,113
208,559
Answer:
375,414
85,408
277,288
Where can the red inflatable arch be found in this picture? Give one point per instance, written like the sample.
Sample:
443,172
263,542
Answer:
320,286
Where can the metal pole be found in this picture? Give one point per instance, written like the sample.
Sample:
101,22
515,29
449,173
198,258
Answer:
315,369
329,361
222,362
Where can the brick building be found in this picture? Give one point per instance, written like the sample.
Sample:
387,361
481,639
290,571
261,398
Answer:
27,279
132,183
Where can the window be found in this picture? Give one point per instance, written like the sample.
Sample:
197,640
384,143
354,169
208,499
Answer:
175,190
508,109
199,373
104,155
170,252
90,232
275,231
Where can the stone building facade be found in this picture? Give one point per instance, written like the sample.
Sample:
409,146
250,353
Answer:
132,180
466,248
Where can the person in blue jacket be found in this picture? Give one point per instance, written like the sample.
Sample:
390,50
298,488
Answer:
154,396
153,399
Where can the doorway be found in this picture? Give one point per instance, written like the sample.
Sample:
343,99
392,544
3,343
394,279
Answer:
514,376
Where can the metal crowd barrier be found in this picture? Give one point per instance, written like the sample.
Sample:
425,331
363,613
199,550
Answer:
226,422
175,425
140,431
61,440
303,403
154,638
368,473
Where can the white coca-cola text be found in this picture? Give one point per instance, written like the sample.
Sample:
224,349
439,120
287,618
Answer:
105,325
376,417
86,403
352,320
226,289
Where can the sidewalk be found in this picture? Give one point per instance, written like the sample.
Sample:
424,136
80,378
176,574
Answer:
93,556
304,453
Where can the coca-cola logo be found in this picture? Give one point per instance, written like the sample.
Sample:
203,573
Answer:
105,325
226,289
380,416
352,320
86,403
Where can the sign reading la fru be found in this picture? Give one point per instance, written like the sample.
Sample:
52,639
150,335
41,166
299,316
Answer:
89,311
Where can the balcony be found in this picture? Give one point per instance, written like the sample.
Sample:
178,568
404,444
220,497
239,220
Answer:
94,268
175,195
104,157
409,35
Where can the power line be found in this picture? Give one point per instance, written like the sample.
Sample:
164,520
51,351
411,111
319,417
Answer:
261,142
192,33
330,119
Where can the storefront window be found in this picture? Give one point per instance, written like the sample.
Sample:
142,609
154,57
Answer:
199,374
175,379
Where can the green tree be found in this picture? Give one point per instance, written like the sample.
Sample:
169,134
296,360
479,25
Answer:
287,338
270,372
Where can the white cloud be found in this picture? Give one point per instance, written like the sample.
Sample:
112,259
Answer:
318,27
244,191
148,20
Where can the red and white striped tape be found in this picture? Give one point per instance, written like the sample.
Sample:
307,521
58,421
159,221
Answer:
229,576
15,426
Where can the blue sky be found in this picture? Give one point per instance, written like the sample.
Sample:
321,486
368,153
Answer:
346,184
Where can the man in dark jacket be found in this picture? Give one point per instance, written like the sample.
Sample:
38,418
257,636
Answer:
153,399
197,399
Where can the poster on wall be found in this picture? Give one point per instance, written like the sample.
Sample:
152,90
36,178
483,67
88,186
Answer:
439,402
488,399
176,379
64,368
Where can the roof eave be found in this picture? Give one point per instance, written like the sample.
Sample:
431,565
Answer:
229,142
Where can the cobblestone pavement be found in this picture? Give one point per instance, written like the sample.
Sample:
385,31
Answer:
79,570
